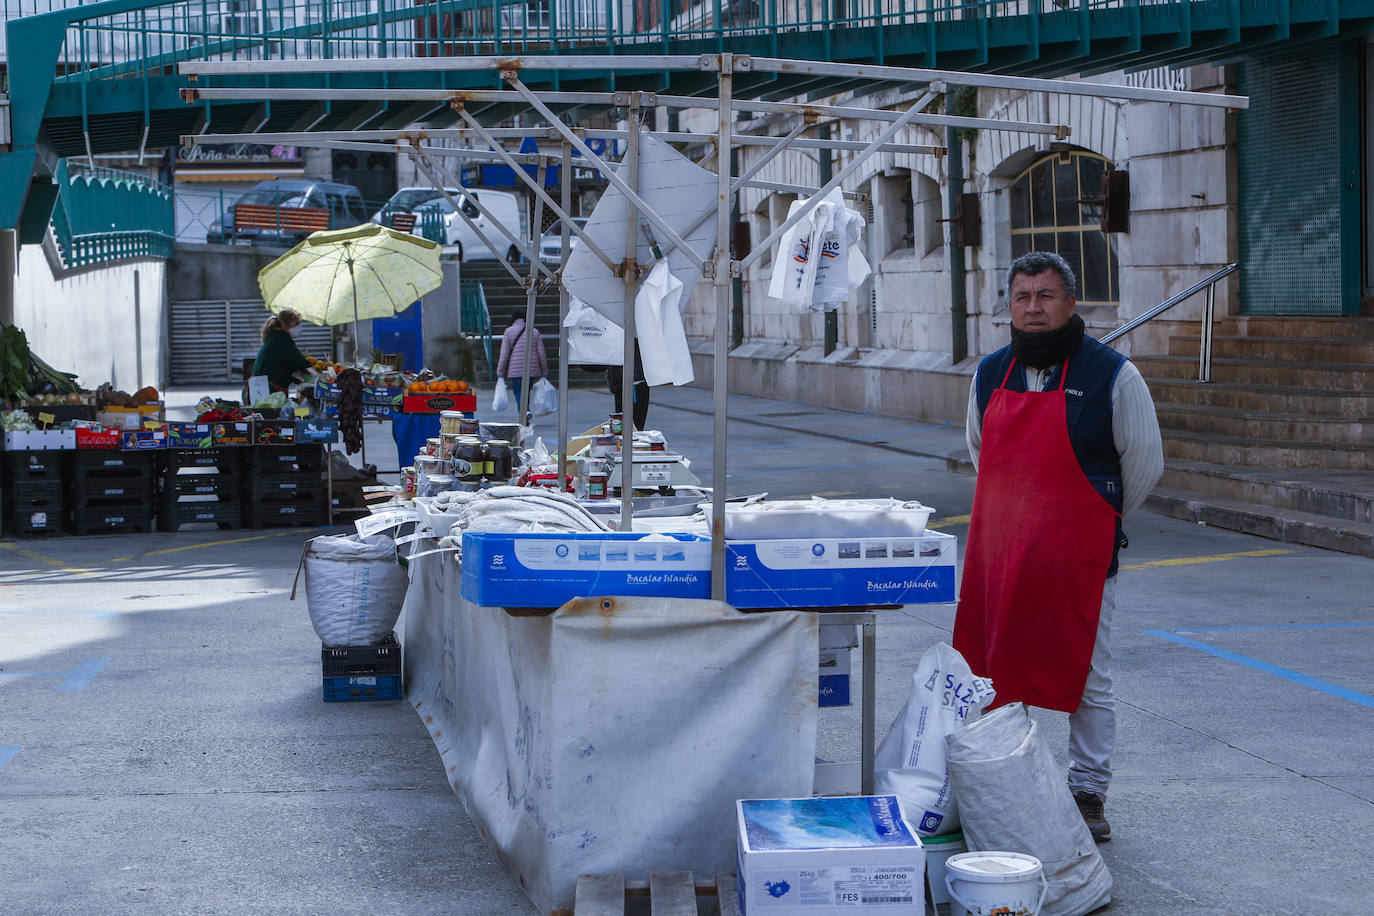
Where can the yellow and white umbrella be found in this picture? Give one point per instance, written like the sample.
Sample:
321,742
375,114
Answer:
348,275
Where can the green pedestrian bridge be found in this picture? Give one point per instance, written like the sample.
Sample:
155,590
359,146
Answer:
102,77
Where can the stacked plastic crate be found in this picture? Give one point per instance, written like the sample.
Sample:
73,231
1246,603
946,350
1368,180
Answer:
284,479
199,485
110,491
362,672
33,493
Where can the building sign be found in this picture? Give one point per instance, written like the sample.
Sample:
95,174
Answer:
503,176
238,162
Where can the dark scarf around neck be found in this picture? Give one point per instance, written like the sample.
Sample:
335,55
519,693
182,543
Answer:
1043,349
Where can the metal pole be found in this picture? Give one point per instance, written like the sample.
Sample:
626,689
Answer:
229,345
832,316
868,714
958,294
532,291
565,186
736,283
1204,369
138,335
721,352
629,272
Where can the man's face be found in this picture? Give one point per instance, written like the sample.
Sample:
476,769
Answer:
1038,302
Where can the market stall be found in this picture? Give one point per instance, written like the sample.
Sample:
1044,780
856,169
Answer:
566,661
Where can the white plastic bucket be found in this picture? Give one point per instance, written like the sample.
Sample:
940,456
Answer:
1008,883
938,850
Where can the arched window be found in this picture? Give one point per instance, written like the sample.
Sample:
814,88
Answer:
1048,213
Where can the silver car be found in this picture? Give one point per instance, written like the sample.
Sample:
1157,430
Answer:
551,242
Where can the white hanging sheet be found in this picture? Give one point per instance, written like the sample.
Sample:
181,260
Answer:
610,738
658,327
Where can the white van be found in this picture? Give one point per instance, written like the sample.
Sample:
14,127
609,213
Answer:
508,209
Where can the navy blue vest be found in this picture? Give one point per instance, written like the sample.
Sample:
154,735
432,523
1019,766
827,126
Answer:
1088,397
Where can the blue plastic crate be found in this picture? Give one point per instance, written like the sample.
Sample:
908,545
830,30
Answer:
345,689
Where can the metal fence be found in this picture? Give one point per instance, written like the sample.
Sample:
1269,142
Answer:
103,215
200,215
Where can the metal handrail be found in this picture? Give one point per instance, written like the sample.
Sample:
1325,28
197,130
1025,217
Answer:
1204,369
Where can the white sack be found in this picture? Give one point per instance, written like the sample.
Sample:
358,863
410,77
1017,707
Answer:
354,588
544,398
820,259
500,398
593,339
1013,797
658,326
945,696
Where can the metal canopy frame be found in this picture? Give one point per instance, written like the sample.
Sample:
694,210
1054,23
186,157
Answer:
719,267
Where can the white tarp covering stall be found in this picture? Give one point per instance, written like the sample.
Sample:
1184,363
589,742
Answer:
614,734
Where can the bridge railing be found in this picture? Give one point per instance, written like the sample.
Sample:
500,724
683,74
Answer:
104,215
149,37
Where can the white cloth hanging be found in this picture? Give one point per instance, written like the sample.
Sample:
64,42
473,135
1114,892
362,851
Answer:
658,326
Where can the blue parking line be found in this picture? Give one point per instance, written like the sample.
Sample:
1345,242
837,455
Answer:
80,676
97,615
1276,626
1288,674
8,753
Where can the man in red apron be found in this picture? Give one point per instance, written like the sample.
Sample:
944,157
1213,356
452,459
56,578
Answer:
1064,435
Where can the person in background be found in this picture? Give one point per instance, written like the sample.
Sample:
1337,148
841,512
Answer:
615,380
511,364
279,358
1063,433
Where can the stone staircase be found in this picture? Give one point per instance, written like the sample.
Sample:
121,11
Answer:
1281,442
504,295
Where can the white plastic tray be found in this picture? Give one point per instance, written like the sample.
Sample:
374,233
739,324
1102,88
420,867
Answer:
823,518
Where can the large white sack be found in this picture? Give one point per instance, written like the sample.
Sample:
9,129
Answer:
910,764
1013,797
354,588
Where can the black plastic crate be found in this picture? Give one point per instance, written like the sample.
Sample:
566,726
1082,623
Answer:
106,519
172,486
281,459
277,515
36,492
278,487
171,515
353,661
276,433
226,460
100,462
122,488
37,523
35,465
367,687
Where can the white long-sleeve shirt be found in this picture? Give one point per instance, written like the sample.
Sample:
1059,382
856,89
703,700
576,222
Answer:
1135,430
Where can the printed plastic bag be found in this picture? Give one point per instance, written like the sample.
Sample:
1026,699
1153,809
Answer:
945,696
544,398
593,339
794,269
842,265
500,398
1012,796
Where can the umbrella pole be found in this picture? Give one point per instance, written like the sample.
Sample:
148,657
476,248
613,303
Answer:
352,281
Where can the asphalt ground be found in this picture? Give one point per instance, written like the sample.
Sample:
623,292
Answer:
164,747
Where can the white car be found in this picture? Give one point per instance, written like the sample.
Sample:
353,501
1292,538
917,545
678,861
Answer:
428,203
551,242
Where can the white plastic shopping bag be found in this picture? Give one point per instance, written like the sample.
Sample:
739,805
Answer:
945,696
500,398
544,398
658,326
593,339
841,266
794,269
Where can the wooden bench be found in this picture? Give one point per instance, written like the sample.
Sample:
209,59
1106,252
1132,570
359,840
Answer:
302,220
671,893
403,222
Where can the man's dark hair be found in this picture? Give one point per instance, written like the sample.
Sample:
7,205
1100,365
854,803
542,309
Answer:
1037,262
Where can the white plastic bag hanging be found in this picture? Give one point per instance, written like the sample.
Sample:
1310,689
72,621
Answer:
658,326
593,339
500,398
910,763
841,266
819,260
544,398
794,269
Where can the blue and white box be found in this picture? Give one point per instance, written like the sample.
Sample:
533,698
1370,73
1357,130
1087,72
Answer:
829,855
547,570
834,679
840,572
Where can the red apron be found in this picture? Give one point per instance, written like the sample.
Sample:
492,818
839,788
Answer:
1039,546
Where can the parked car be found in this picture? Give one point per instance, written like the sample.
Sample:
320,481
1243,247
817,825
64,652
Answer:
406,200
507,208
551,242
268,217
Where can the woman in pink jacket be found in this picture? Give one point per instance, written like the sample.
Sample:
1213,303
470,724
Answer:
511,364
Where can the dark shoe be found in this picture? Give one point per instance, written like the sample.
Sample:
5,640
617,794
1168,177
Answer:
1093,808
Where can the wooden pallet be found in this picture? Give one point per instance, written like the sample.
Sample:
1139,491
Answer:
672,893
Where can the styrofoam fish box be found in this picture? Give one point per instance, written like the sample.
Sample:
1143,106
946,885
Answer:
828,855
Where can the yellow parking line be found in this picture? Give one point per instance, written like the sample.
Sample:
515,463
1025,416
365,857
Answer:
1214,558
254,537
949,522
38,557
